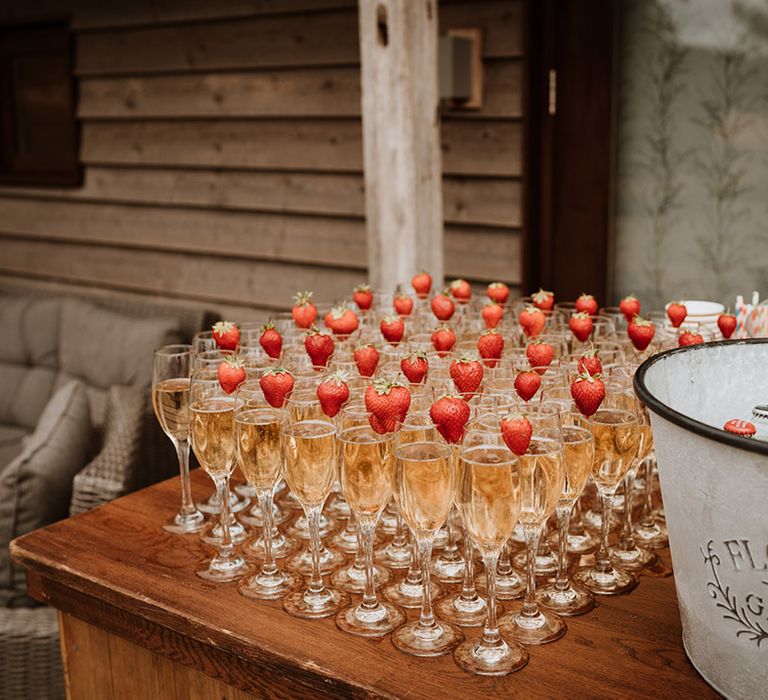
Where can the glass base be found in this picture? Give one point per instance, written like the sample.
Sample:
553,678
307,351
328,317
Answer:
497,660
282,546
352,580
370,622
394,557
269,587
408,595
300,527
574,600
441,538
301,563
224,570
289,501
593,520
337,507
542,628
612,582
212,534
345,541
387,522
189,524
246,490
213,507
582,543
633,559
651,536
546,564
464,613
434,641
253,516
448,570
313,606
518,535
508,586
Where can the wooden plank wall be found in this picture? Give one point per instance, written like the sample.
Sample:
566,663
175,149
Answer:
223,156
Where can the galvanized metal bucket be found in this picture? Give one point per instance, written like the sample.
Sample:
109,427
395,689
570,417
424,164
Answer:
715,490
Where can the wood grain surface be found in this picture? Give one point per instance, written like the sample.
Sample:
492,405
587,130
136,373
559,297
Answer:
117,570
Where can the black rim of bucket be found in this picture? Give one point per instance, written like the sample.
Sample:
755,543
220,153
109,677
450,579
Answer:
684,421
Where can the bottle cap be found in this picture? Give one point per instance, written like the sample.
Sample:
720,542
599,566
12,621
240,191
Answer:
760,413
740,427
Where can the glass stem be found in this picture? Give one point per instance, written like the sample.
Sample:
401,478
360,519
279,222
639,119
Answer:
491,636
427,618
226,548
399,540
414,572
627,540
646,520
532,536
367,528
182,451
576,527
468,591
602,558
451,550
268,567
360,553
313,518
504,567
563,522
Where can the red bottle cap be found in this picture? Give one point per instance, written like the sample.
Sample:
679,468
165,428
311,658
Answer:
740,427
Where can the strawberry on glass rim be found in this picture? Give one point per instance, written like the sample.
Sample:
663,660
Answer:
442,306
588,392
422,284
443,340
270,340
527,383
333,393
363,297
276,384
388,401
532,321
587,304
304,312
450,415
467,374
676,312
590,363
231,373
415,367
641,331
402,303
226,334
367,359
630,307
687,338
342,321
540,354
543,299
492,314
581,325
490,345
727,324
498,292
393,329
461,290
516,431
319,347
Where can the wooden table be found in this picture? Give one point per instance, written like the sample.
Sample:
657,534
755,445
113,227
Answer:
136,622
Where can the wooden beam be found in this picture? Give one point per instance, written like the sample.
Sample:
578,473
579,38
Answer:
401,140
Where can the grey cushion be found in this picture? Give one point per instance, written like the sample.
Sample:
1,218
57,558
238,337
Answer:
30,330
24,392
35,488
106,348
11,443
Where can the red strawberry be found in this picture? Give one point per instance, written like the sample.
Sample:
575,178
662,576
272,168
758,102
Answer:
587,304
517,431
580,324
443,340
363,297
727,324
590,363
403,304
333,393
527,383
415,367
540,355
687,338
630,307
392,328
490,345
276,383
319,347
467,374
532,320
461,291
450,414
304,312
588,392
498,292
342,321
677,313
366,359
492,314
231,373
641,331
271,340
421,284
442,306
388,401
543,300
226,334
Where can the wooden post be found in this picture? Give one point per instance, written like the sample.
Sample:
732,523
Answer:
401,139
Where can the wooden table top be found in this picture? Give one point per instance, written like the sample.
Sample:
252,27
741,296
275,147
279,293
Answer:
115,568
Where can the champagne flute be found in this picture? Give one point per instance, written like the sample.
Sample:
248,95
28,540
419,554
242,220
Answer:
170,399
212,428
309,450
615,429
366,469
260,458
489,498
424,482
542,473
562,595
